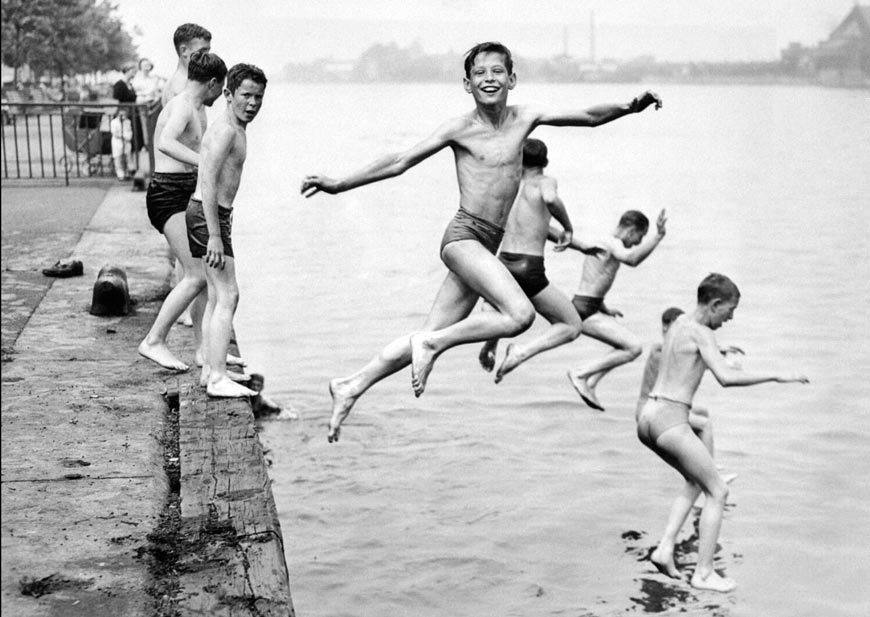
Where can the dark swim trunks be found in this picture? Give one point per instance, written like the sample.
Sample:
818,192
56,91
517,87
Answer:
197,229
587,305
466,226
167,196
528,270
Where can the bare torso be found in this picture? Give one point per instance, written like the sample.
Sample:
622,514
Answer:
224,149
599,272
681,367
179,110
529,220
489,162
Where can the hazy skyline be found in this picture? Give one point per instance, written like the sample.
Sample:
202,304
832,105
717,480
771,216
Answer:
273,33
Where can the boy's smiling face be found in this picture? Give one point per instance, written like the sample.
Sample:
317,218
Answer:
489,80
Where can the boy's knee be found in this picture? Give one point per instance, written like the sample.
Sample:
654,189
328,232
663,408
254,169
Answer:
719,492
634,349
524,317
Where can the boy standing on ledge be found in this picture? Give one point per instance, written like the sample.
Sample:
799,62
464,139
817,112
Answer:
487,144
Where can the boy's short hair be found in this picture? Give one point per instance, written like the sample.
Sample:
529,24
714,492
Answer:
535,153
634,219
488,46
185,33
204,65
670,315
717,286
240,72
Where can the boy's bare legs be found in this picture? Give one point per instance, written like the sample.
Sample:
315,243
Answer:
627,347
190,289
481,272
683,450
223,288
453,302
566,326
186,318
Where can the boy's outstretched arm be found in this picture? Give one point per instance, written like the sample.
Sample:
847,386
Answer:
388,166
584,244
635,256
599,114
729,377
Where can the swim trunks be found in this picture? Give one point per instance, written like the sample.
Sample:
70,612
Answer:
587,305
657,416
528,270
467,226
197,229
168,195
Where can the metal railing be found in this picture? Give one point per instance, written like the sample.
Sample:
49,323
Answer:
48,140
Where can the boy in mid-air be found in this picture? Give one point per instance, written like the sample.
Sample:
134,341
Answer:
487,144
626,245
663,424
522,252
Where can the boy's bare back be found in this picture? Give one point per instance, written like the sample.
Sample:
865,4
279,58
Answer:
529,221
180,120
682,363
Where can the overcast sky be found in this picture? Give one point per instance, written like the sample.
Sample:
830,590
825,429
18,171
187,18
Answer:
271,33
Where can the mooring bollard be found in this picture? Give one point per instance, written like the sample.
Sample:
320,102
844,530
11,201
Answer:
111,296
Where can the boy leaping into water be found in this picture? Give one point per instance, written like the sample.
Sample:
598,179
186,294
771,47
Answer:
624,246
487,146
663,423
522,252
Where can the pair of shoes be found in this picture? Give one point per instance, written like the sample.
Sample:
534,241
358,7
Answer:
65,269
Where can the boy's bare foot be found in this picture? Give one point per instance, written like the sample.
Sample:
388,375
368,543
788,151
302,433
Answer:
342,402
242,377
512,359
713,582
487,355
225,387
184,319
161,355
422,358
663,560
585,392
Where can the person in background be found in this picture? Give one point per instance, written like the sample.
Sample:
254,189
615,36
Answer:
122,143
145,84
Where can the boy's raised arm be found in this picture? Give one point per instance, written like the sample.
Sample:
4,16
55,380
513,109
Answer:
388,166
636,255
599,114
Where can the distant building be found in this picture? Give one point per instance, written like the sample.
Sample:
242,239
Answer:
844,58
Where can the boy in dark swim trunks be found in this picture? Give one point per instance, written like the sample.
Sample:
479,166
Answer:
663,423
522,252
625,246
177,137
487,144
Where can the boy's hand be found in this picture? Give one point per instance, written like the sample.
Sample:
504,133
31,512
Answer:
315,184
645,100
660,223
564,241
794,379
214,252
609,311
732,349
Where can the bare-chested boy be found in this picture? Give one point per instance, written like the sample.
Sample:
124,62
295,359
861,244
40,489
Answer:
626,245
487,144
188,38
663,423
178,136
210,216
522,252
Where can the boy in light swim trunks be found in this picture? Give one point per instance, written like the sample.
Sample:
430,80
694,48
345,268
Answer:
178,136
487,143
663,423
626,245
209,221
522,252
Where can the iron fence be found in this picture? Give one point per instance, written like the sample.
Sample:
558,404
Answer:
48,140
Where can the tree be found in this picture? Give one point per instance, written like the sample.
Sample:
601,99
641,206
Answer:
64,37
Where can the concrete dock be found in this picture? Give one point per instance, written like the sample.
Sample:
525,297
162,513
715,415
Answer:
125,490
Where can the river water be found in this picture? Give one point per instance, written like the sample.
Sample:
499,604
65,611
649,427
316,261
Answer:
515,499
